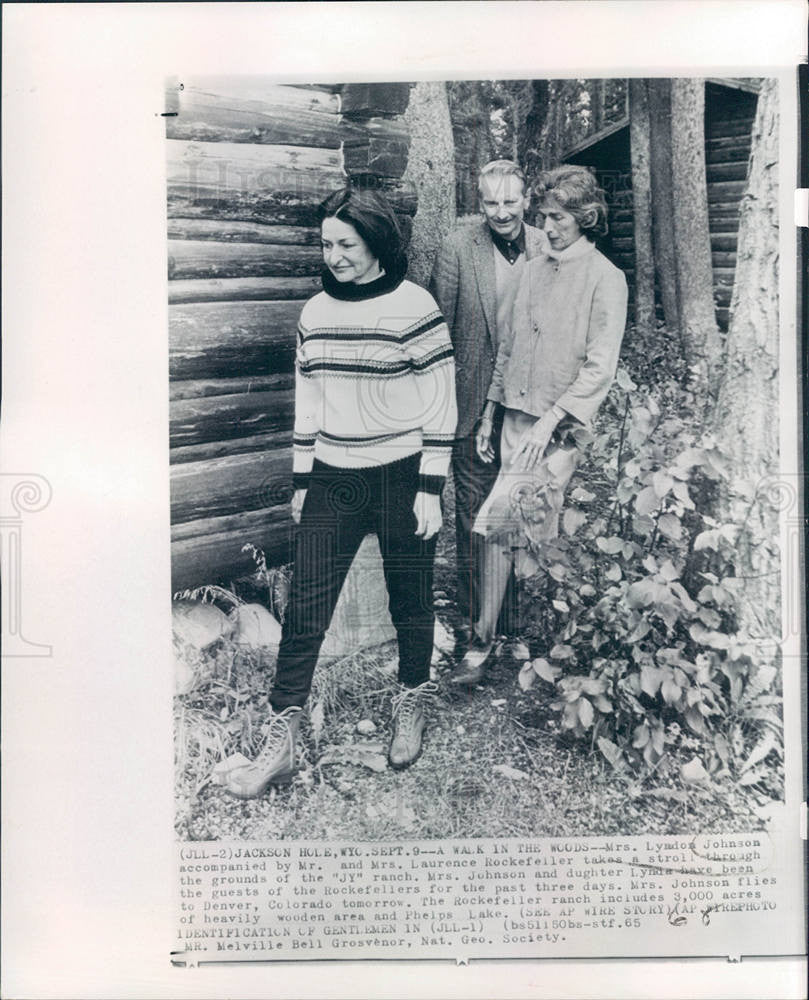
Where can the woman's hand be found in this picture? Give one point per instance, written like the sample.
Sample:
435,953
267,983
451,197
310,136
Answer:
483,440
534,442
297,505
427,509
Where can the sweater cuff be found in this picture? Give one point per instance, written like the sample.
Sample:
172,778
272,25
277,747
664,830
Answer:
431,484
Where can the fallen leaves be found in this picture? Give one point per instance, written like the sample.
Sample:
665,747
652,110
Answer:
694,773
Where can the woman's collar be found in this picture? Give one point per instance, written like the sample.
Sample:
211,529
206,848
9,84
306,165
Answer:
349,291
581,247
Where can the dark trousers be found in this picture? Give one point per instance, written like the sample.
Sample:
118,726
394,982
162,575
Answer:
342,506
474,480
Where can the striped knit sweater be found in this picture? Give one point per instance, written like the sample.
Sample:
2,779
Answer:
375,382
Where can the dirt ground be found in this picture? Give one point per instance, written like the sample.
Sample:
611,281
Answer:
494,764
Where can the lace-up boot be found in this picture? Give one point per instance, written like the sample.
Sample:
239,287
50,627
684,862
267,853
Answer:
275,763
408,719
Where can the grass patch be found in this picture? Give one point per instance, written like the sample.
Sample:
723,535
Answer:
495,762
494,765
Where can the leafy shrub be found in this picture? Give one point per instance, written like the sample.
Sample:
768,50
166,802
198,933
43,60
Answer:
639,597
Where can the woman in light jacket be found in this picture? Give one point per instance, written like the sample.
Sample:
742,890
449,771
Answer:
552,372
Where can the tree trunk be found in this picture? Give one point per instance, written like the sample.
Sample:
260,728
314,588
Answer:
530,137
473,140
431,170
663,199
692,240
746,415
642,199
550,137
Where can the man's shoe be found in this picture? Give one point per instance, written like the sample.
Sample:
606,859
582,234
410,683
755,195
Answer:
275,763
463,635
472,668
408,717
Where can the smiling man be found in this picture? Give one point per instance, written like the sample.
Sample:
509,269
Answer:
474,281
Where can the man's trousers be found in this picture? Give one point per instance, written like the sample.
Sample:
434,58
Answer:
474,480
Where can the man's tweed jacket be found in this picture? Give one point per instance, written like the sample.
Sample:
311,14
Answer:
463,285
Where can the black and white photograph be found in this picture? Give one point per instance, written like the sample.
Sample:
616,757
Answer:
475,490
403,505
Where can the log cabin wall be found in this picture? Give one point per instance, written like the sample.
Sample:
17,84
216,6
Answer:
248,161
729,114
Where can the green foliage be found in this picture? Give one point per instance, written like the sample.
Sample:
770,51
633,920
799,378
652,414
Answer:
637,601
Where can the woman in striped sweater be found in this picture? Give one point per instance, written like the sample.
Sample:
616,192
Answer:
375,417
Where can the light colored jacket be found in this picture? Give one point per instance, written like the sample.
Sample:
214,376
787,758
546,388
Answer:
463,285
568,323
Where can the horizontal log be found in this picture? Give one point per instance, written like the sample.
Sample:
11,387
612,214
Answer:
210,551
206,259
722,317
200,388
276,116
238,167
728,207
246,182
282,211
724,241
715,143
229,485
332,88
401,194
241,232
395,129
723,260
218,418
382,149
724,276
232,339
739,152
725,190
295,206
727,171
722,295
726,128
243,289
234,446
620,199
266,89
724,218
371,99
379,156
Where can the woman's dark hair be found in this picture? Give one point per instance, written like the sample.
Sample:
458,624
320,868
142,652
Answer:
373,218
577,191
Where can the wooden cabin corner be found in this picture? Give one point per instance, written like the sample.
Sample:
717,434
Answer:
248,162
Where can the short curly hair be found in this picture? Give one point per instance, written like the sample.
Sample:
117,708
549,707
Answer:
577,191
